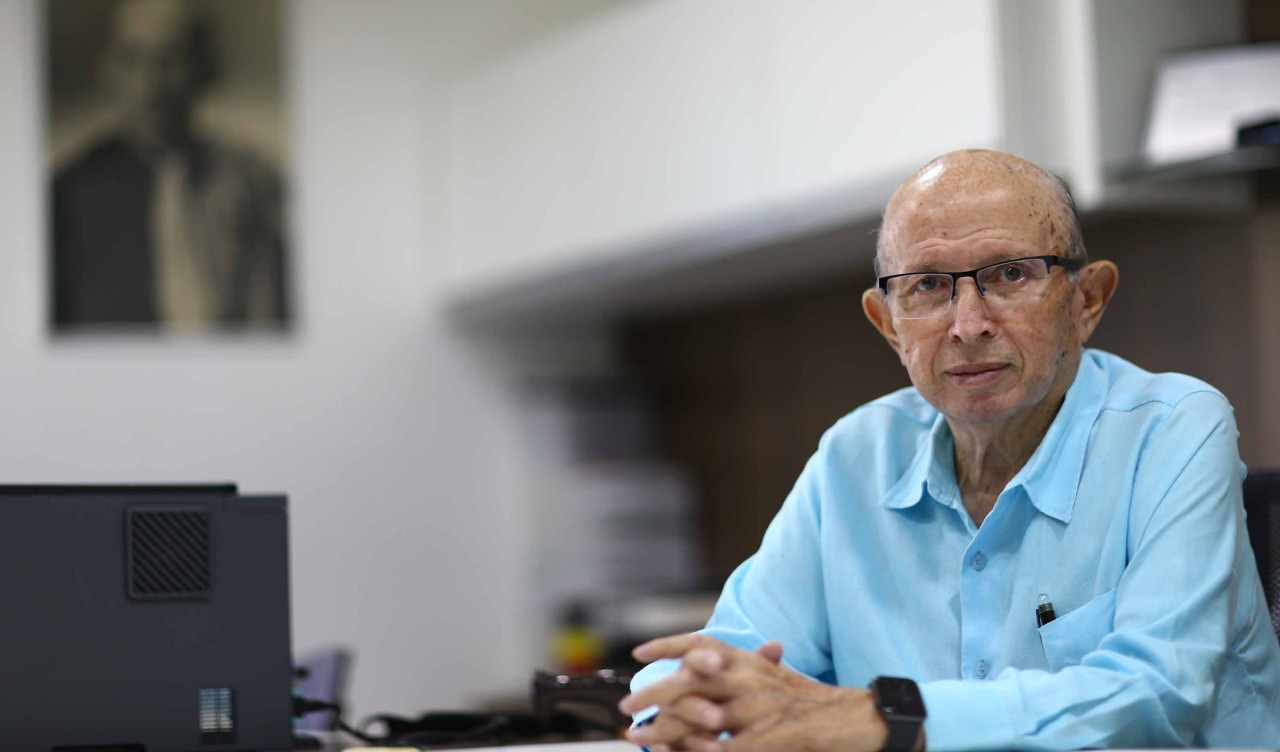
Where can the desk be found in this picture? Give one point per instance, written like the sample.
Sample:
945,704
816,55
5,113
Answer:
609,746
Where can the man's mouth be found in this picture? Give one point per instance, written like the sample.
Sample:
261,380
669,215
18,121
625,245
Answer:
977,374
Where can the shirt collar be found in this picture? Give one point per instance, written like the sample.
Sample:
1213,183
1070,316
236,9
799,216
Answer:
1050,478
932,472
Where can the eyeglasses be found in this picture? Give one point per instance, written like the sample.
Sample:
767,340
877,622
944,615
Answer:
1003,285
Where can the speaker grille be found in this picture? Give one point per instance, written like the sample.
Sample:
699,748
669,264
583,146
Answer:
168,553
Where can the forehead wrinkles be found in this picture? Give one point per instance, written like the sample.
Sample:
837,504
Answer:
948,205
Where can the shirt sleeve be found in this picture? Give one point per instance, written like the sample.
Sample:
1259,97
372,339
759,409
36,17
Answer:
1151,680
777,594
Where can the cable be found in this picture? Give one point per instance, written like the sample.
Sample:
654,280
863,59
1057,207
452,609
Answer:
303,705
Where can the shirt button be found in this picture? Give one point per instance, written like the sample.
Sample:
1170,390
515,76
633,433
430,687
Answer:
980,670
979,561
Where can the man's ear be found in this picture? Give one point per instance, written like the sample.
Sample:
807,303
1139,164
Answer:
1095,285
877,312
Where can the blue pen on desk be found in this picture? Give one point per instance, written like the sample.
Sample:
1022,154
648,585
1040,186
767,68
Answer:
1044,610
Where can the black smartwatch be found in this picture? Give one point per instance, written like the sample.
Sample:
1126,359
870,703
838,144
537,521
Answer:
900,703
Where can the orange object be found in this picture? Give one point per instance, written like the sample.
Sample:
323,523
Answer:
578,649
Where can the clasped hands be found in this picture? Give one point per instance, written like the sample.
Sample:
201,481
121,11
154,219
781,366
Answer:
762,704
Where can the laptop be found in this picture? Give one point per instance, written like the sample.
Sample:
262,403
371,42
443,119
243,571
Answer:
144,618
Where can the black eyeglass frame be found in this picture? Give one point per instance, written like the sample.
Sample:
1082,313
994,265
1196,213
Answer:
1069,264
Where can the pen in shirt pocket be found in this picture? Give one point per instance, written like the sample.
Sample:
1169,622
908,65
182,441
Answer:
1044,610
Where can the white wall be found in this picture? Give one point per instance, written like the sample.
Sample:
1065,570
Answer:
516,134
394,445
646,118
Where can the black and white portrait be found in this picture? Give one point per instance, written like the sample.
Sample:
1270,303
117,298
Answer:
166,150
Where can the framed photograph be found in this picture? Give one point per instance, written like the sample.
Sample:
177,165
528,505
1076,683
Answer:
166,151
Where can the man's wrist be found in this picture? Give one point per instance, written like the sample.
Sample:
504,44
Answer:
882,734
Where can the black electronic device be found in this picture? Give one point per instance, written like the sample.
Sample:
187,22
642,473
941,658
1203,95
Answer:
144,618
1264,132
899,702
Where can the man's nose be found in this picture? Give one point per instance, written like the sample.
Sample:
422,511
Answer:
970,320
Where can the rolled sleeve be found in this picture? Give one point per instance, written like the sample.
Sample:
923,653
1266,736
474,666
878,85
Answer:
968,715
777,594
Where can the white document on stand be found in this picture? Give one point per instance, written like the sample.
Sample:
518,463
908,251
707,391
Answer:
1201,98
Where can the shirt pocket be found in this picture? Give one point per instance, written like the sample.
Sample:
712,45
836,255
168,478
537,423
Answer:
1071,636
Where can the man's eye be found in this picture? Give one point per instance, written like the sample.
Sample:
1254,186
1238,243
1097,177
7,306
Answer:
927,284
1011,273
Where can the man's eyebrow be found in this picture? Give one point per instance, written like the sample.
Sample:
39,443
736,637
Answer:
927,267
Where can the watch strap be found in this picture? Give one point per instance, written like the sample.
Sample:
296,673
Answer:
902,735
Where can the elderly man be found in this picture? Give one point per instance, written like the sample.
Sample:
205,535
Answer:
1036,546
153,223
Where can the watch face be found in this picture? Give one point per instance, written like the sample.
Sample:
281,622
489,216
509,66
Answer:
898,697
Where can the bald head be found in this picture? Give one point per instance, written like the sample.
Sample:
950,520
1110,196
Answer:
939,186
1022,330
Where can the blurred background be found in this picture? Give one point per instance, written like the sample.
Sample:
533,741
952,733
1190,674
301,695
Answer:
576,288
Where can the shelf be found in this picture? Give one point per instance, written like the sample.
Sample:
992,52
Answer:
1256,160
764,252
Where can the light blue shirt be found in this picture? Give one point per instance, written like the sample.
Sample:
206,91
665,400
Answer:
1128,517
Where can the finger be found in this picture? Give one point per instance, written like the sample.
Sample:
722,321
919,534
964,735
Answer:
698,712
745,699
767,740
771,651
704,744
661,693
724,673
829,718
666,728
711,669
690,741
708,660
668,647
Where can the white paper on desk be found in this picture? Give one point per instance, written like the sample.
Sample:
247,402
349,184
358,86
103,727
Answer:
609,746
1202,97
